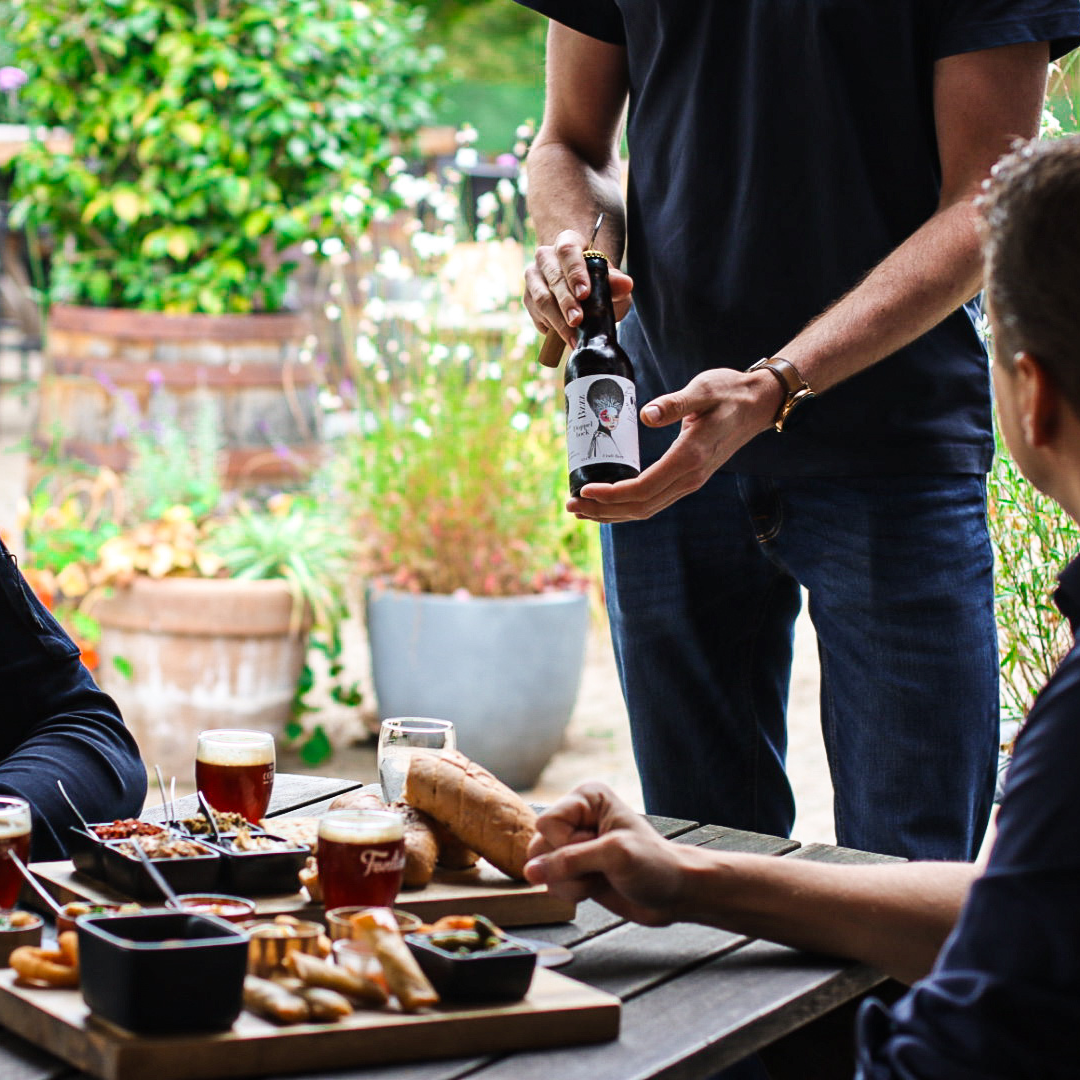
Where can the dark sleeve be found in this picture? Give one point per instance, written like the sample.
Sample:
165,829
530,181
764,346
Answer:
969,25
56,724
1003,999
600,19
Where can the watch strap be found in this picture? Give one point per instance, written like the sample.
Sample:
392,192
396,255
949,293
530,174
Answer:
795,387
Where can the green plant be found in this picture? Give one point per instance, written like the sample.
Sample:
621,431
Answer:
209,138
457,476
1033,539
86,534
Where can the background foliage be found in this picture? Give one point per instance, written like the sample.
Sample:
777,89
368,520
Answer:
209,138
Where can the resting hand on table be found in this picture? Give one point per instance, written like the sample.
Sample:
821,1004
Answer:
591,845
721,410
557,282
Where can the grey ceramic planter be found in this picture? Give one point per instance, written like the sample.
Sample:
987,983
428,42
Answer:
505,670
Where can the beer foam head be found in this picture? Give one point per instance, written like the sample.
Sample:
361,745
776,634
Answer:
235,746
14,818
361,826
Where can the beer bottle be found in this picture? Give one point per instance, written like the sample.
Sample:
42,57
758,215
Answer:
601,403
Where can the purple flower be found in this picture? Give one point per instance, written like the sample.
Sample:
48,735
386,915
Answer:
11,78
506,160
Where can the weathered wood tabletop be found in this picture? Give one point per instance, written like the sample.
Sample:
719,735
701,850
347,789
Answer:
695,999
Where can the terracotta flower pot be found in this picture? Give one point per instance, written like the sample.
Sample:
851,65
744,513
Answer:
202,653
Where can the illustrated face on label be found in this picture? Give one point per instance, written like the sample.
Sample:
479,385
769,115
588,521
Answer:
601,421
609,418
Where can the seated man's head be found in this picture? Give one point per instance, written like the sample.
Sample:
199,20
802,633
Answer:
1032,260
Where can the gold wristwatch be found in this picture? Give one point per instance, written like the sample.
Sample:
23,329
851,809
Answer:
796,388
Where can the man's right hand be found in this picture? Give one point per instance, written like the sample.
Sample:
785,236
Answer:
557,282
591,845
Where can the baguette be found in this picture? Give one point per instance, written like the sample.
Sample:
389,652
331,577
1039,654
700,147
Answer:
475,806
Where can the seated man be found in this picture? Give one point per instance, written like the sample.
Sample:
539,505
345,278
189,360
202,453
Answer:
57,725
994,956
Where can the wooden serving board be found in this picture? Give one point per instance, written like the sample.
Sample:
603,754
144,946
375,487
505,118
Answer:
480,891
556,1012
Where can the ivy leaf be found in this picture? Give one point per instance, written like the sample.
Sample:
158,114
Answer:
123,667
316,749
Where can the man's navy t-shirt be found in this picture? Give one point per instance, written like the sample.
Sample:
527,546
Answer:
779,149
1003,1000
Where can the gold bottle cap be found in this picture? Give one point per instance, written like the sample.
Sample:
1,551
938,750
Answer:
592,254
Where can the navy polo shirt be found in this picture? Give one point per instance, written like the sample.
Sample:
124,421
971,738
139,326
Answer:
1003,1000
779,149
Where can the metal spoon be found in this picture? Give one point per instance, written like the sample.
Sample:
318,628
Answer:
171,899
168,807
208,813
74,809
32,881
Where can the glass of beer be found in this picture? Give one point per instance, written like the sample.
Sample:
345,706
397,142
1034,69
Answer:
361,857
234,769
14,836
399,737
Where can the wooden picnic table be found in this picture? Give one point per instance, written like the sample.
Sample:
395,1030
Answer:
694,999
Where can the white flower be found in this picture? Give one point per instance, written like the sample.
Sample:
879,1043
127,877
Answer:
422,428
329,400
484,232
376,309
333,312
524,131
463,352
487,204
506,190
309,247
465,134
492,370
520,421
332,245
466,158
438,354
352,205
396,165
366,353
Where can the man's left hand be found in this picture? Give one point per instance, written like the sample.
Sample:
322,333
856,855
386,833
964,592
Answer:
721,410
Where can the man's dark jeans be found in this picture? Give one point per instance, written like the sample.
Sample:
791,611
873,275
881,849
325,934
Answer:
898,571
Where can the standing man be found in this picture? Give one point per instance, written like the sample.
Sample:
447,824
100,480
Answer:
800,191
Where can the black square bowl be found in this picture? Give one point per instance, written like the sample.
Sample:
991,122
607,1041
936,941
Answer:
163,973
503,974
85,851
262,873
191,874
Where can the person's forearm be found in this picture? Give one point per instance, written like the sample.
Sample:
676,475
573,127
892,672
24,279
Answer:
566,191
893,917
924,280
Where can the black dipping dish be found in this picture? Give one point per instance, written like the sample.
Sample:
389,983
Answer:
190,874
163,973
503,974
261,873
85,851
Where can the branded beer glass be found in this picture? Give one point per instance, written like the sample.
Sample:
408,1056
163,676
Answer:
14,836
234,769
361,856
399,737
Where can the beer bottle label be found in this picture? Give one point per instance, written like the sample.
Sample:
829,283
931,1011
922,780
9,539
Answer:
601,421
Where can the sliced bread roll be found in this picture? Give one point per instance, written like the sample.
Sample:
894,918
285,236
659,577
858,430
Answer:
473,804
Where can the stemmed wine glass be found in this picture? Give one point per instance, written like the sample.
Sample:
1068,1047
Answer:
401,736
